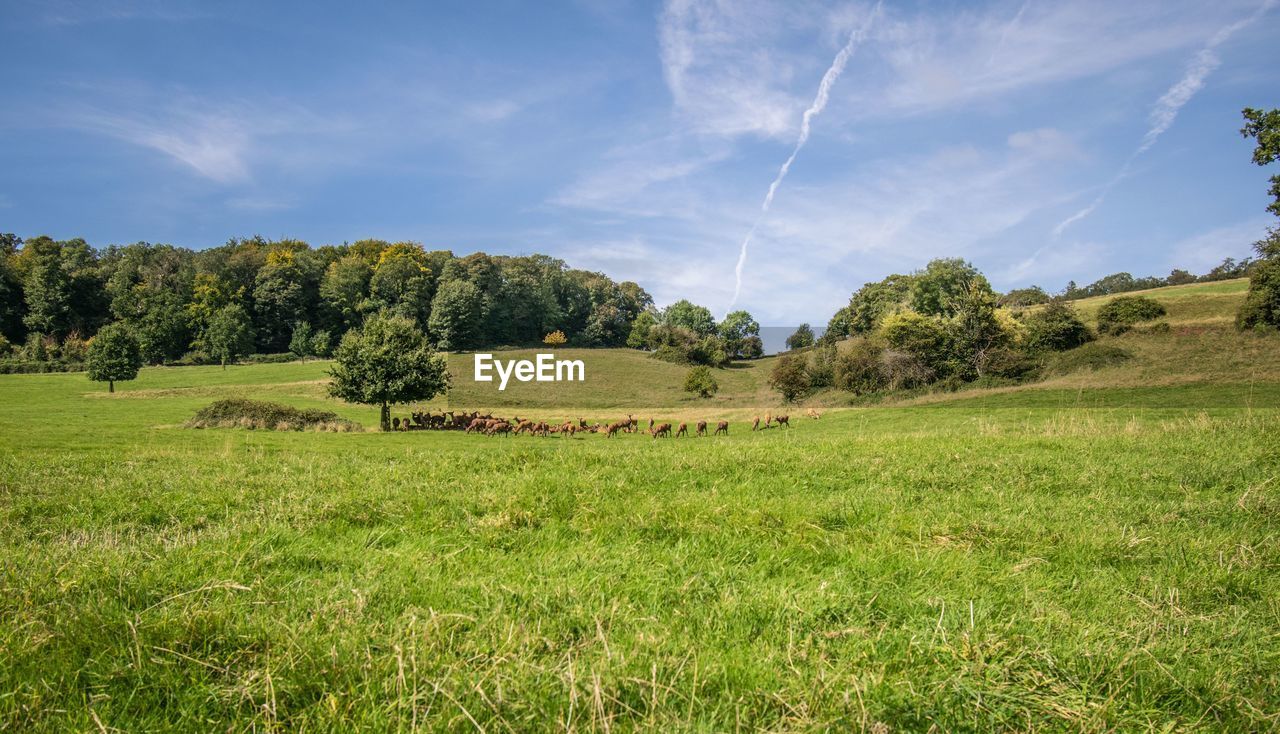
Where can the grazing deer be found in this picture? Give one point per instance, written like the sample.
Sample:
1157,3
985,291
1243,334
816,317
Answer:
702,429
813,414
499,428
613,428
722,427
650,424
662,430
768,419
683,430
755,422
783,421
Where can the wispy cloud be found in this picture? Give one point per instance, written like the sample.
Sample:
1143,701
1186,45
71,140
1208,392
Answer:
819,103
1167,107
1201,252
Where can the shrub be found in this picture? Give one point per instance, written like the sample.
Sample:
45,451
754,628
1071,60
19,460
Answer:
1091,356
555,338
261,415
1262,304
821,366
859,370
1005,363
699,380
789,377
280,358
1055,328
751,348
1120,314
27,367
925,338
195,357
902,370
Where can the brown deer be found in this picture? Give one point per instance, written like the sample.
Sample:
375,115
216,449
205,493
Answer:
722,427
813,414
768,419
613,428
755,422
660,431
783,421
702,429
683,430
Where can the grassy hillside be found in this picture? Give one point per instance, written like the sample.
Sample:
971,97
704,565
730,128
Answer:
1195,304
1092,553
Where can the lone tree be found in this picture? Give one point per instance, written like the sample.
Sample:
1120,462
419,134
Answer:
555,338
701,381
114,354
388,361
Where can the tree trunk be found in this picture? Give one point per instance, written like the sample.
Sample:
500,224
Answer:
386,417
224,363
111,385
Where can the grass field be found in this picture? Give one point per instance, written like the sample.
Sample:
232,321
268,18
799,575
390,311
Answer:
1096,552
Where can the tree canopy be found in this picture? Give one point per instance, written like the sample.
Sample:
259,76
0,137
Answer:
114,355
387,361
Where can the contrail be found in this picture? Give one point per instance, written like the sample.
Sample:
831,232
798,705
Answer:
819,102
1166,108
1004,33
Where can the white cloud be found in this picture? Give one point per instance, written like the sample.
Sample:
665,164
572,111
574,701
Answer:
937,61
730,66
1201,252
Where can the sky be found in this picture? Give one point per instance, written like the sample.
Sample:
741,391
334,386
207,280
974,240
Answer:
1042,141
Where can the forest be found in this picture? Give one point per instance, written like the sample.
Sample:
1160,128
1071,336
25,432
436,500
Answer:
254,296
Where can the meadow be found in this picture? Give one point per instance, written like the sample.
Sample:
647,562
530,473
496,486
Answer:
1095,552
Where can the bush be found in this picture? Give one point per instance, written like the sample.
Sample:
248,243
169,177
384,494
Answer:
925,338
30,367
1262,304
261,415
789,377
903,371
196,357
280,358
555,338
1004,363
821,366
858,370
1055,328
1120,314
1091,356
701,382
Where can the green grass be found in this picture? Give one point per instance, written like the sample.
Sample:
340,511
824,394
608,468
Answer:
1093,553
1194,303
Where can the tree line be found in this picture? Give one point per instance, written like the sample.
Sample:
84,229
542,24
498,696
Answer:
268,297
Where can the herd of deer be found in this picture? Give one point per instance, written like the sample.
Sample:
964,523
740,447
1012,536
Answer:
489,425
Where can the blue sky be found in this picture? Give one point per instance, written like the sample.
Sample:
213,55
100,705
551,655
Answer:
1044,141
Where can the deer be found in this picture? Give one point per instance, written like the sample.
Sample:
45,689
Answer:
755,422
722,427
683,430
661,430
701,429
783,421
814,414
